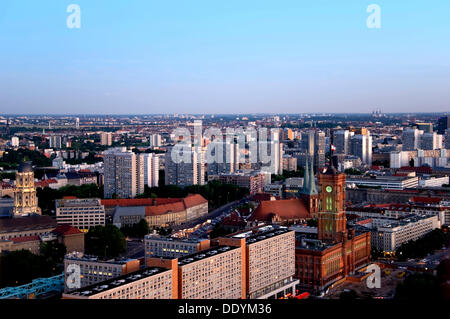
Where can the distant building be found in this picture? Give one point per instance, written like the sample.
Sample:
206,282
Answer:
80,213
155,140
15,141
55,141
151,170
123,173
431,141
106,138
25,199
443,124
411,139
184,173
254,180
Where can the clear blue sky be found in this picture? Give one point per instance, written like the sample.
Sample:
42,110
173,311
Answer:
145,56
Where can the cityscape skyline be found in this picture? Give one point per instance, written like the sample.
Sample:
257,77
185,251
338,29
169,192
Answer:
147,56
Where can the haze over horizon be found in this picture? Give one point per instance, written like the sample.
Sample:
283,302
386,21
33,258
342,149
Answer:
234,57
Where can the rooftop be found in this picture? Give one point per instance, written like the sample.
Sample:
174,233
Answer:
188,259
117,282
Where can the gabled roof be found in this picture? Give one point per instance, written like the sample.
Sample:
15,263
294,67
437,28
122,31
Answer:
285,209
65,229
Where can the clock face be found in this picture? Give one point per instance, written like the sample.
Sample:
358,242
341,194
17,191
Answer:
328,189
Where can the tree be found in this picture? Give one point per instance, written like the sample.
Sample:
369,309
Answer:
352,171
138,230
312,223
21,267
105,241
53,251
418,286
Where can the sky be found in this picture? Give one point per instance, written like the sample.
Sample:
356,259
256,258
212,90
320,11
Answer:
234,56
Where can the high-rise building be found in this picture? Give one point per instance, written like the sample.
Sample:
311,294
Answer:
430,141
155,140
184,173
15,141
447,139
341,140
361,146
106,138
25,200
77,123
55,141
123,173
151,169
223,157
411,139
319,149
425,127
443,124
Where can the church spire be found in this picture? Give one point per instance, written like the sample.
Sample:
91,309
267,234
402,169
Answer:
309,183
312,181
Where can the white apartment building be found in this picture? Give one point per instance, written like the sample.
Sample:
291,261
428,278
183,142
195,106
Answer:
80,213
170,247
147,283
94,270
151,169
123,173
391,235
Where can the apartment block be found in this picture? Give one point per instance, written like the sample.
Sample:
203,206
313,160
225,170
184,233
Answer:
94,270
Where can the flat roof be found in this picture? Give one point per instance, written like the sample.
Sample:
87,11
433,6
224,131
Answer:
188,259
174,239
117,282
262,233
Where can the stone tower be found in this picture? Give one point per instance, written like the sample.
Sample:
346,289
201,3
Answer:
25,200
332,220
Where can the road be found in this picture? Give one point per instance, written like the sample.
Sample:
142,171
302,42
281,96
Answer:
136,249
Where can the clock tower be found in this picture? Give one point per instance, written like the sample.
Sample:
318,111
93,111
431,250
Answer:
332,220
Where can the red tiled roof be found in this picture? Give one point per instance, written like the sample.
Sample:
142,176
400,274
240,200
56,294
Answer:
285,209
163,209
194,200
65,229
25,239
427,200
258,197
127,202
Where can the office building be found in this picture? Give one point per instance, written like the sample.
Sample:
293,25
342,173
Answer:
80,213
443,124
341,140
361,146
384,182
392,234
